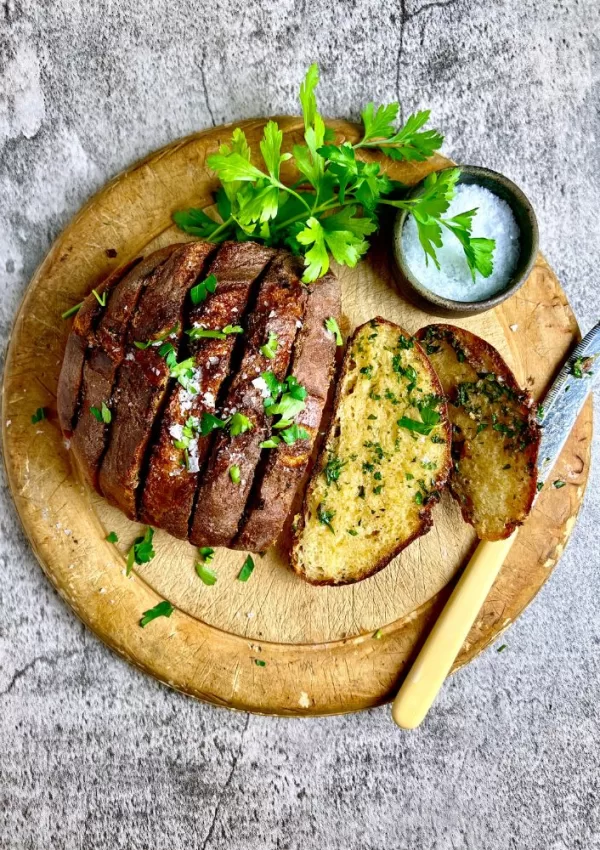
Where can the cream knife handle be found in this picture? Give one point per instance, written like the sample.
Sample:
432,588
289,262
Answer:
434,661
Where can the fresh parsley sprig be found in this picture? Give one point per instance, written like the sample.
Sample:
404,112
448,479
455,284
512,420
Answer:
333,209
428,208
410,143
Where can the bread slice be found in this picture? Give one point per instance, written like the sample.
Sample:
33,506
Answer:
284,467
279,310
143,377
385,459
495,435
82,336
171,482
102,363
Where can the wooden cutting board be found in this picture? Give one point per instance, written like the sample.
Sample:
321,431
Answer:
317,643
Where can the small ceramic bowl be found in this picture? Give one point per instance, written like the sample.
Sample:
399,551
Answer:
523,212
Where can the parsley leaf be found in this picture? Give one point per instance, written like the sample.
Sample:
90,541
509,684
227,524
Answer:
163,609
332,326
233,167
270,147
202,290
581,367
112,537
429,419
183,372
247,569
274,386
204,333
210,423
346,248
308,100
207,553
208,576
410,143
293,433
39,414
324,516
289,405
270,347
102,414
239,424
379,124
234,473
333,468
271,443
190,430
142,550
198,223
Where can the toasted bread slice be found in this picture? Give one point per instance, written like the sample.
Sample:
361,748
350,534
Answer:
171,483
144,375
82,337
313,362
103,360
385,459
279,310
495,436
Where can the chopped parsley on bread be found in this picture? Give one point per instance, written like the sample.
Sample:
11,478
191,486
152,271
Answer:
495,437
385,459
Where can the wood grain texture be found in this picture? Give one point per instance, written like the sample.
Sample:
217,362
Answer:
317,642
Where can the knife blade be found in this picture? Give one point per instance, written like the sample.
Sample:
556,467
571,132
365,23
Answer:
565,399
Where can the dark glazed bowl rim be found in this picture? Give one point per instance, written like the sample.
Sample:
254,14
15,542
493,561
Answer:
526,220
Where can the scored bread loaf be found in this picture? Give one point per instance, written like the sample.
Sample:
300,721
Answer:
495,436
385,459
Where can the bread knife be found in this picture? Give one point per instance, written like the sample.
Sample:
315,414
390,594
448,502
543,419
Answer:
556,416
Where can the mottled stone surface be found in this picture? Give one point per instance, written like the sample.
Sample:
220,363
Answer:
94,754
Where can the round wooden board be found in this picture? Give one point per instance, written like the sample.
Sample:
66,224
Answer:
317,643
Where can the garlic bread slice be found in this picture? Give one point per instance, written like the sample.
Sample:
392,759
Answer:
385,459
495,437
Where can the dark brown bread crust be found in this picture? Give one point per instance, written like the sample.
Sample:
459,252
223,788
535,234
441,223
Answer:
169,488
104,359
441,477
143,376
313,365
483,357
220,503
82,335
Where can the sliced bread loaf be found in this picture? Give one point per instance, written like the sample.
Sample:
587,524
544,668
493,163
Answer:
385,459
495,437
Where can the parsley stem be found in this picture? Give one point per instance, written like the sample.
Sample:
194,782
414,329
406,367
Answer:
402,205
377,143
223,226
327,205
290,191
71,311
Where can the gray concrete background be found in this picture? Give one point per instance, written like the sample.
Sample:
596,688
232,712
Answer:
92,753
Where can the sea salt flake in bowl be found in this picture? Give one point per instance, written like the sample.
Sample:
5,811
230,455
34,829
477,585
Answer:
504,215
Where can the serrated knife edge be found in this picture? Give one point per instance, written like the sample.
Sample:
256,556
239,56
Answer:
564,400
